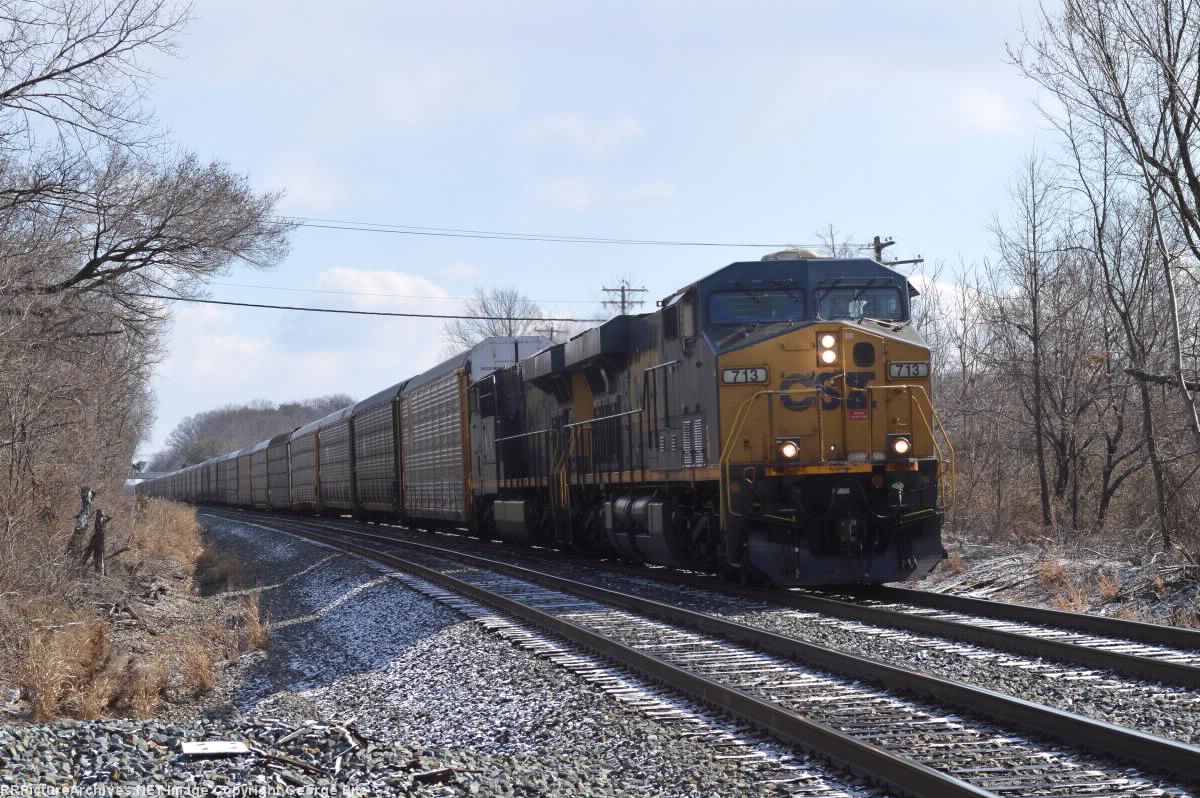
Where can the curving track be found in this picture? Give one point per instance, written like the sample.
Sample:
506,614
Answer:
1152,652
804,694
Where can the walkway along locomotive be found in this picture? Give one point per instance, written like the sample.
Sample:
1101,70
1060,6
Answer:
771,421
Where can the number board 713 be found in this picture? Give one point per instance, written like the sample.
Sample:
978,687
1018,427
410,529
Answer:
901,371
744,376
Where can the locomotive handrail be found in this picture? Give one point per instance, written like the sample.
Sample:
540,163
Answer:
950,472
603,418
739,421
947,475
522,435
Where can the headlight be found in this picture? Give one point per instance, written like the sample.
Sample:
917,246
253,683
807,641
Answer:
900,445
788,450
827,343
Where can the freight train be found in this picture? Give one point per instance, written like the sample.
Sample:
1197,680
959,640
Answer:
771,422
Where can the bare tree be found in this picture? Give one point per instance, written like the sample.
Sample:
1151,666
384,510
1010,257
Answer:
1128,72
1026,244
97,211
495,311
835,248
79,65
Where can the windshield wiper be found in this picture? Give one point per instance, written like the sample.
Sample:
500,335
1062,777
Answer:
895,324
783,287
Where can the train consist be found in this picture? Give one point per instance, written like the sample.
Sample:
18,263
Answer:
771,421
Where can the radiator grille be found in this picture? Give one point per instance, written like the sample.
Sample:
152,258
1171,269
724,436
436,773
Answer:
693,443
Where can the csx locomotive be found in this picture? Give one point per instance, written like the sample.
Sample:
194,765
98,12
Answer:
771,421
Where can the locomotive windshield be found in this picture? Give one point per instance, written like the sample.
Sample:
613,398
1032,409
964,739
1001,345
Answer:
756,306
857,302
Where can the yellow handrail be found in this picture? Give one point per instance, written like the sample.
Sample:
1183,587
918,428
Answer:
947,482
739,421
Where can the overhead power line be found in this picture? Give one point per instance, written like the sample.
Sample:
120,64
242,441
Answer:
496,235
352,312
383,294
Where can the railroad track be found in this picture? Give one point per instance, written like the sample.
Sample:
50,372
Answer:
804,694
1150,652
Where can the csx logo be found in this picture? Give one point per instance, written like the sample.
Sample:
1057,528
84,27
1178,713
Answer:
831,394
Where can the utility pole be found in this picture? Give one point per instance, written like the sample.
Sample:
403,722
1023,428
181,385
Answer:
626,301
549,329
880,244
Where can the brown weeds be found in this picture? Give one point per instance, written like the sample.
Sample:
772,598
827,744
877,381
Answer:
65,659
1053,575
954,563
256,631
197,668
94,698
61,661
1109,586
44,676
1072,598
168,531
144,688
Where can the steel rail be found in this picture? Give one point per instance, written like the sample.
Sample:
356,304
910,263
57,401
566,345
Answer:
1169,756
1133,665
896,772
1159,634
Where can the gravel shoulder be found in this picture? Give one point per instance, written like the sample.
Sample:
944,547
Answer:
429,691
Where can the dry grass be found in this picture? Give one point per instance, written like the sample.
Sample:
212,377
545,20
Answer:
95,698
1072,598
62,667
1053,575
66,659
168,531
196,668
1109,586
144,688
255,630
43,677
954,563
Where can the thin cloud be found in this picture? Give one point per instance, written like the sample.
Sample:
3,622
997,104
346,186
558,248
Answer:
574,194
579,133
582,194
981,111
373,288
309,184
651,191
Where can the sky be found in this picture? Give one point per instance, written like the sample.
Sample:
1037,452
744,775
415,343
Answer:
743,122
